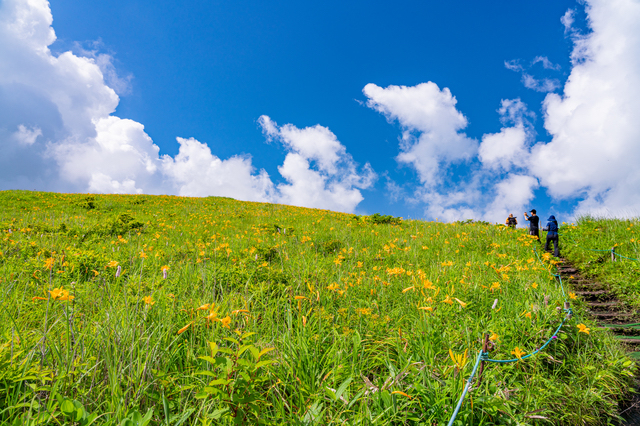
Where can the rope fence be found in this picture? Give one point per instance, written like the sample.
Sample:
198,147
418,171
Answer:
612,250
483,356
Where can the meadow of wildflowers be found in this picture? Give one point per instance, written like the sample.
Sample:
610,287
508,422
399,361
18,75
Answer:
159,310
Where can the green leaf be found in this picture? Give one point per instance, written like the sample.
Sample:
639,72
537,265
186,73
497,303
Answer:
147,417
222,382
262,364
206,373
232,340
343,387
264,351
79,411
243,348
67,407
165,407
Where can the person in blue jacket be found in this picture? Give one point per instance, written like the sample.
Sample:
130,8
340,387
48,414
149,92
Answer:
552,235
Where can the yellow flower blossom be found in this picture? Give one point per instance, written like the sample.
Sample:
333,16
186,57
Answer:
226,321
60,294
572,296
112,264
583,328
408,288
49,263
183,329
463,304
518,353
494,337
459,360
448,300
400,393
148,300
426,308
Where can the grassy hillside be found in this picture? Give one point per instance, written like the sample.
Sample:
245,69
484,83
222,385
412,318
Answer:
588,245
170,310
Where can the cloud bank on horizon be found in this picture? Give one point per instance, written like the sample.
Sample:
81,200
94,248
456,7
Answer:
58,132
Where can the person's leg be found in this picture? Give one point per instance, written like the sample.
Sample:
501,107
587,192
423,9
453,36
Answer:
546,244
556,246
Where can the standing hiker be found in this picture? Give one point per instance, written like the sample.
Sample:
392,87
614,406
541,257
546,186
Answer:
511,221
533,223
552,235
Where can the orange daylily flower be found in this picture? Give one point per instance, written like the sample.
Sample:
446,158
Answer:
463,304
518,353
583,328
226,321
49,263
183,329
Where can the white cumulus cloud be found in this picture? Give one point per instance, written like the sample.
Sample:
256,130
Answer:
318,170
431,126
594,153
509,147
58,132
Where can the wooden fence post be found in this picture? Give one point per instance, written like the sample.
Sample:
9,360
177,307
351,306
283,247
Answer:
484,350
613,254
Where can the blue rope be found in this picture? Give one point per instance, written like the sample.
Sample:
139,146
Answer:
484,356
630,258
555,336
466,388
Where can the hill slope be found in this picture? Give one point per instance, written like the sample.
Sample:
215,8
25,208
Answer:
211,310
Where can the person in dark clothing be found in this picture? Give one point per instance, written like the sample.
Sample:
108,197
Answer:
511,221
533,223
552,235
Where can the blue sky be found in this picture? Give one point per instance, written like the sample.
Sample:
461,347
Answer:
276,92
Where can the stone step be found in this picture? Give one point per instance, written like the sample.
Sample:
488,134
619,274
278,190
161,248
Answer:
591,293
630,340
611,314
604,304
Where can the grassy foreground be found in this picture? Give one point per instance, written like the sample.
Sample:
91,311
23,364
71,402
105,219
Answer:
134,310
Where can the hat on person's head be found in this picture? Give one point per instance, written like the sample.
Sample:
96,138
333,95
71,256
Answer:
533,211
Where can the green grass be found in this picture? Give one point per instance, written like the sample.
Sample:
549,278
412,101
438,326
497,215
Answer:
588,245
273,314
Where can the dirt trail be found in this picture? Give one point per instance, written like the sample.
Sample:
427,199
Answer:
612,314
